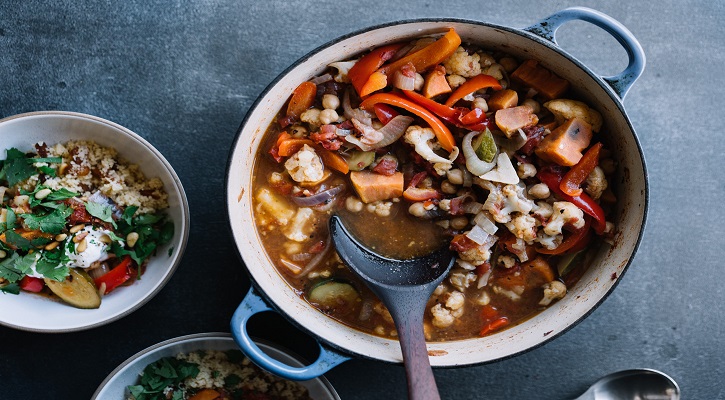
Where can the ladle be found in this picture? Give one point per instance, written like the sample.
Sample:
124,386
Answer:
404,286
640,384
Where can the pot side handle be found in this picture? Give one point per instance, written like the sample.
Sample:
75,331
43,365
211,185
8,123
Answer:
621,83
253,304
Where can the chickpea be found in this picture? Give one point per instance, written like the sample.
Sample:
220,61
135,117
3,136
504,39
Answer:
455,176
496,71
533,105
353,204
509,64
459,223
417,210
448,187
328,116
486,59
539,191
330,102
526,170
480,103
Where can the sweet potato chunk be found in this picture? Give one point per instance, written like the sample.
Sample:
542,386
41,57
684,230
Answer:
506,98
531,74
371,187
436,83
565,144
509,120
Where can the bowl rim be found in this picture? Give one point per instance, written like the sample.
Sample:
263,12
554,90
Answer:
605,87
201,338
184,207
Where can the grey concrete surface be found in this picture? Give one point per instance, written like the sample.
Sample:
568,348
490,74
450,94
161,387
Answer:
183,73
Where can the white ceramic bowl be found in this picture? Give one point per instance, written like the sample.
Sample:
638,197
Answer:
537,42
31,312
114,386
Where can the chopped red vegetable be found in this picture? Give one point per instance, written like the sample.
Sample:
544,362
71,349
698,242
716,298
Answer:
117,276
552,178
573,179
31,284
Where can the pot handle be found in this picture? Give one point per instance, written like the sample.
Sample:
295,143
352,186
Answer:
252,304
621,83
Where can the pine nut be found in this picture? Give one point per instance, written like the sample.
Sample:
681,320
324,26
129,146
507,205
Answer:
76,228
3,254
77,238
62,168
51,245
61,237
43,193
131,239
81,247
105,239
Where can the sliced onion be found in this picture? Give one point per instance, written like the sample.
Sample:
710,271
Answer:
465,265
99,271
317,259
391,132
292,267
467,178
484,221
321,79
301,256
357,113
342,132
318,198
483,280
402,81
473,207
477,234
474,164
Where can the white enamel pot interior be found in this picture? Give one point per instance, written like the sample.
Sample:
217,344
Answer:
41,314
608,266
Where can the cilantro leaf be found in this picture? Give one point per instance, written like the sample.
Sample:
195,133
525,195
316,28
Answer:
53,265
232,380
52,222
163,373
48,171
10,219
101,211
14,239
15,267
128,214
16,167
49,160
12,288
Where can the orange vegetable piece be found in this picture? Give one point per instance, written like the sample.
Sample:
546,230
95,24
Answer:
375,82
302,98
292,146
501,99
443,134
206,394
564,145
29,235
509,120
531,74
436,83
540,271
428,56
329,158
571,183
478,82
369,63
371,187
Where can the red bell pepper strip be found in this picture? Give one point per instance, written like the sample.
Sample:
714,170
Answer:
117,276
369,63
421,194
450,115
443,134
478,82
385,113
571,183
576,241
31,284
552,179
474,116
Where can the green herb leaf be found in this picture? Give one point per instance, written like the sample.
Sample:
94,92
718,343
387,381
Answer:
12,288
101,211
14,239
54,265
49,160
157,376
128,214
52,222
16,167
232,380
10,219
15,267
48,171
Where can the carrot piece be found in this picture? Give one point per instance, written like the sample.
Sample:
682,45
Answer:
436,83
571,183
494,326
478,82
375,82
531,74
292,146
564,145
443,134
419,194
206,394
369,63
509,120
428,56
506,98
371,187
302,98
283,136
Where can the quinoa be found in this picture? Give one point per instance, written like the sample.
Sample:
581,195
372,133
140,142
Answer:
88,166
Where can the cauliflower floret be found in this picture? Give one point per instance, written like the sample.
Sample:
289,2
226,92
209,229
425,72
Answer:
343,68
300,227
507,261
523,227
543,211
463,64
564,213
503,201
380,208
526,170
549,242
305,165
481,253
455,300
596,183
565,109
421,138
461,279
455,81
443,317
312,117
511,294
552,291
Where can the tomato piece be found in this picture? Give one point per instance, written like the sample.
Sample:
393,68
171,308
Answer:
384,112
31,284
